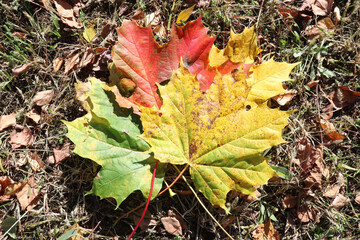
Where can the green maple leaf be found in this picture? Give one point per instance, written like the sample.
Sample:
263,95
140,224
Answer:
109,137
221,133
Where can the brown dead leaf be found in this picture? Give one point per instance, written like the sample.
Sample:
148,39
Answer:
28,194
227,221
72,62
21,69
311,164
312,84
284,98
34,115
324,25
265,232
153,19
57,63
87,58
101,61
321,7
305,214
340,98
160,31
20,35
289,201
5,182
172,225
67,14
42,98
23,138
332,191
105,30
148,220
35,162
7,121
330,131
340,201
60,154
357,197
21,160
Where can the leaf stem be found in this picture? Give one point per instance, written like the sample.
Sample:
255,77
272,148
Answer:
148,201
170,16
168,187
202,204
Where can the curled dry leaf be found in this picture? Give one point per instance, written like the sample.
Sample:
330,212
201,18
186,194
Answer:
284,98
332,191
57,63
35,161
311,164
19,35
7,121
324,25
305,214
147,222
60,154
28,194
5,182
105,30
67,14
289,201
265,232
340,98
23,138
34,115
42,98
340,201
320,7
172,225
23,68
330,131
357,197
87,58
72,62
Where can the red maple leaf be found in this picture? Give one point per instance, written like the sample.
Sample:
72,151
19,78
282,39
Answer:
139,56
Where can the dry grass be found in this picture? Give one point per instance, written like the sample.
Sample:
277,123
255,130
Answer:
64,186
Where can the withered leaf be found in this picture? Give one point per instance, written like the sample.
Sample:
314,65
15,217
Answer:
42,98
7,121
23,68
23,138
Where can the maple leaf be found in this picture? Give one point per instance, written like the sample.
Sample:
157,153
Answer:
220,133
109,137
146,63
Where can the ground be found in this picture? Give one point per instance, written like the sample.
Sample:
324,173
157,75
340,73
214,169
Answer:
33,33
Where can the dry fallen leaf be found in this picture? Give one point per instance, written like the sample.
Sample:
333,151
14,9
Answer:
172,225
265,232
5,182
357,197
321,7
284,98
7,121
88,58
305,214
324,25
67,14
28,195
71,62
23,138
105,30
340,201
34,115
340,98
21,69
289,201
19,35
332,191
57,63
311,163
42,98
35,161
60,154
330,131
148,220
